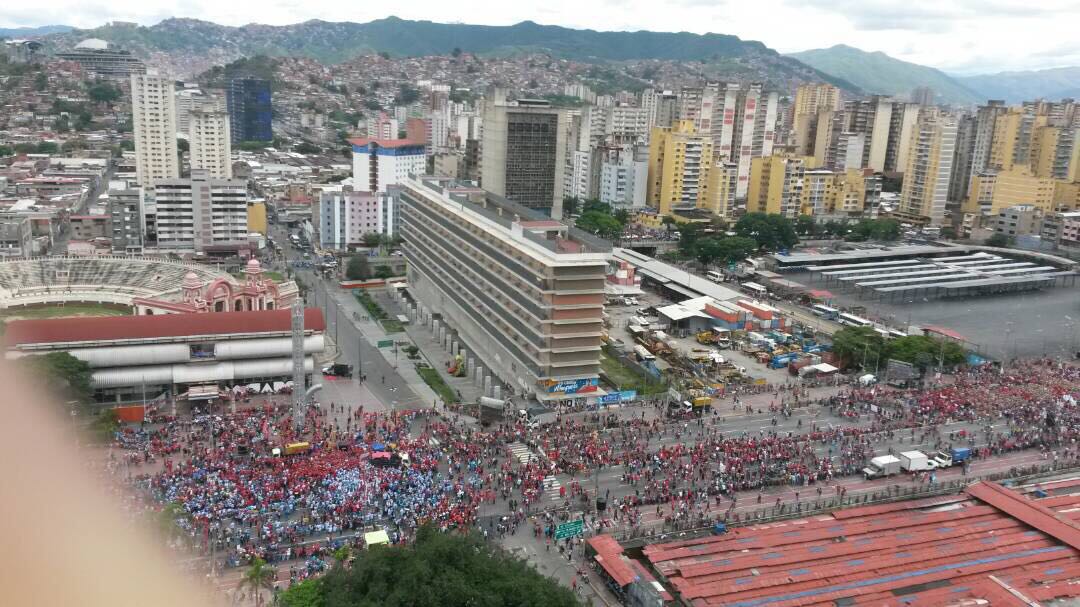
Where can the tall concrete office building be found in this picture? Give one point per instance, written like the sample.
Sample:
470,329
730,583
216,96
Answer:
523,154
523,293
811,102
126,209
209,142
929,166
202,214
154,120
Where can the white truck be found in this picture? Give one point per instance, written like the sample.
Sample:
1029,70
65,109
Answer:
916,461
882,466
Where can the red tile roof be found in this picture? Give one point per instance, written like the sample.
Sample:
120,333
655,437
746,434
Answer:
69,330
385,143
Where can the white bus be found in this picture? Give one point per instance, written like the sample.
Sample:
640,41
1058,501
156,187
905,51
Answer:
825,312
853,321
755,289
714,276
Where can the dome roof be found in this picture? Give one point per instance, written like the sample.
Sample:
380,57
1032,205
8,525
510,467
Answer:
192,281
253,264
96,44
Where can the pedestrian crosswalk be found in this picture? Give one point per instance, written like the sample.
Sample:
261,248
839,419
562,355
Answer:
522,453
551,488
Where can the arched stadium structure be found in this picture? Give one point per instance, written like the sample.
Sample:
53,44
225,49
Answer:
106,279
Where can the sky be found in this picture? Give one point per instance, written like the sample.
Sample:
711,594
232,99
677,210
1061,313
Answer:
958,36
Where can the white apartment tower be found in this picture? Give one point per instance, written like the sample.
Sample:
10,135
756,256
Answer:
202,214
929,167
154,120
209,140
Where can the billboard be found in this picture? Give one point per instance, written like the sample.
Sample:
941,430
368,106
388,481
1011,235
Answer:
572,386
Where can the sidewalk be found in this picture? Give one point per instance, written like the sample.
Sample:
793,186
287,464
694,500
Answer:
373,333
432,351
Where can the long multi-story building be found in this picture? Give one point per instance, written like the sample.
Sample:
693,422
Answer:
720,196
929,166
154,121
523,154
679,163
381,163
251,110
523,293
99,57
202,214
209,142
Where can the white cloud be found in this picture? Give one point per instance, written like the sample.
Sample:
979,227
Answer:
956,35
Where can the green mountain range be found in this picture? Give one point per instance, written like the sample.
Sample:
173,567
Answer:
33,32
335,42
1014,87
879,73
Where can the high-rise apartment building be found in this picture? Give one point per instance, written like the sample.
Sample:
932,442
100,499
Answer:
380,163
929,166
209,143
679,163
922,95
720,196
624,176
776,185
902,120
251,112
1013,138
346,216
202,214
523,155
1055,153
154,120
661,107
966,130
383,126
810,101
520,295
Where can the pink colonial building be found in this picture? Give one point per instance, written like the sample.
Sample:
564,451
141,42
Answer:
255,293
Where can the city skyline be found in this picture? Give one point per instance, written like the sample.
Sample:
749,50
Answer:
958,37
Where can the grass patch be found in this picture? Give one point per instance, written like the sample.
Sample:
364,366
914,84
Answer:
272,275
54,311
369,303
435,381
392,325
626,378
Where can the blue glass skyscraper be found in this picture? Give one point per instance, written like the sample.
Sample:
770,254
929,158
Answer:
250,110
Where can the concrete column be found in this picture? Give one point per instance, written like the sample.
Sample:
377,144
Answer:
435,328
487,385
455,347
472,365
496,391
479,375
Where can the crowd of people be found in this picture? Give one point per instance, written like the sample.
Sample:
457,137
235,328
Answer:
234,489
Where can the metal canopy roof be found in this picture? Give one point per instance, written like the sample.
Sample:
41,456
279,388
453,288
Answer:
923,279
901,274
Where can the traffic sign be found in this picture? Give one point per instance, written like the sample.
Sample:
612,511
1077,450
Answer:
569,529
385,343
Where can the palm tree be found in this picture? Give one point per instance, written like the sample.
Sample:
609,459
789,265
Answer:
259,576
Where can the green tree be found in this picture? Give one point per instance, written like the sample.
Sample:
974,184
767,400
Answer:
61,125
456,52
66,372
307,148
258,577
182,145
41,81
439,569
997,240
307,593
921,349
859,346
384,272
771,232
6,150
805,225
105,425
103,92
601,224
570,206
406,95
357,268
372,239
